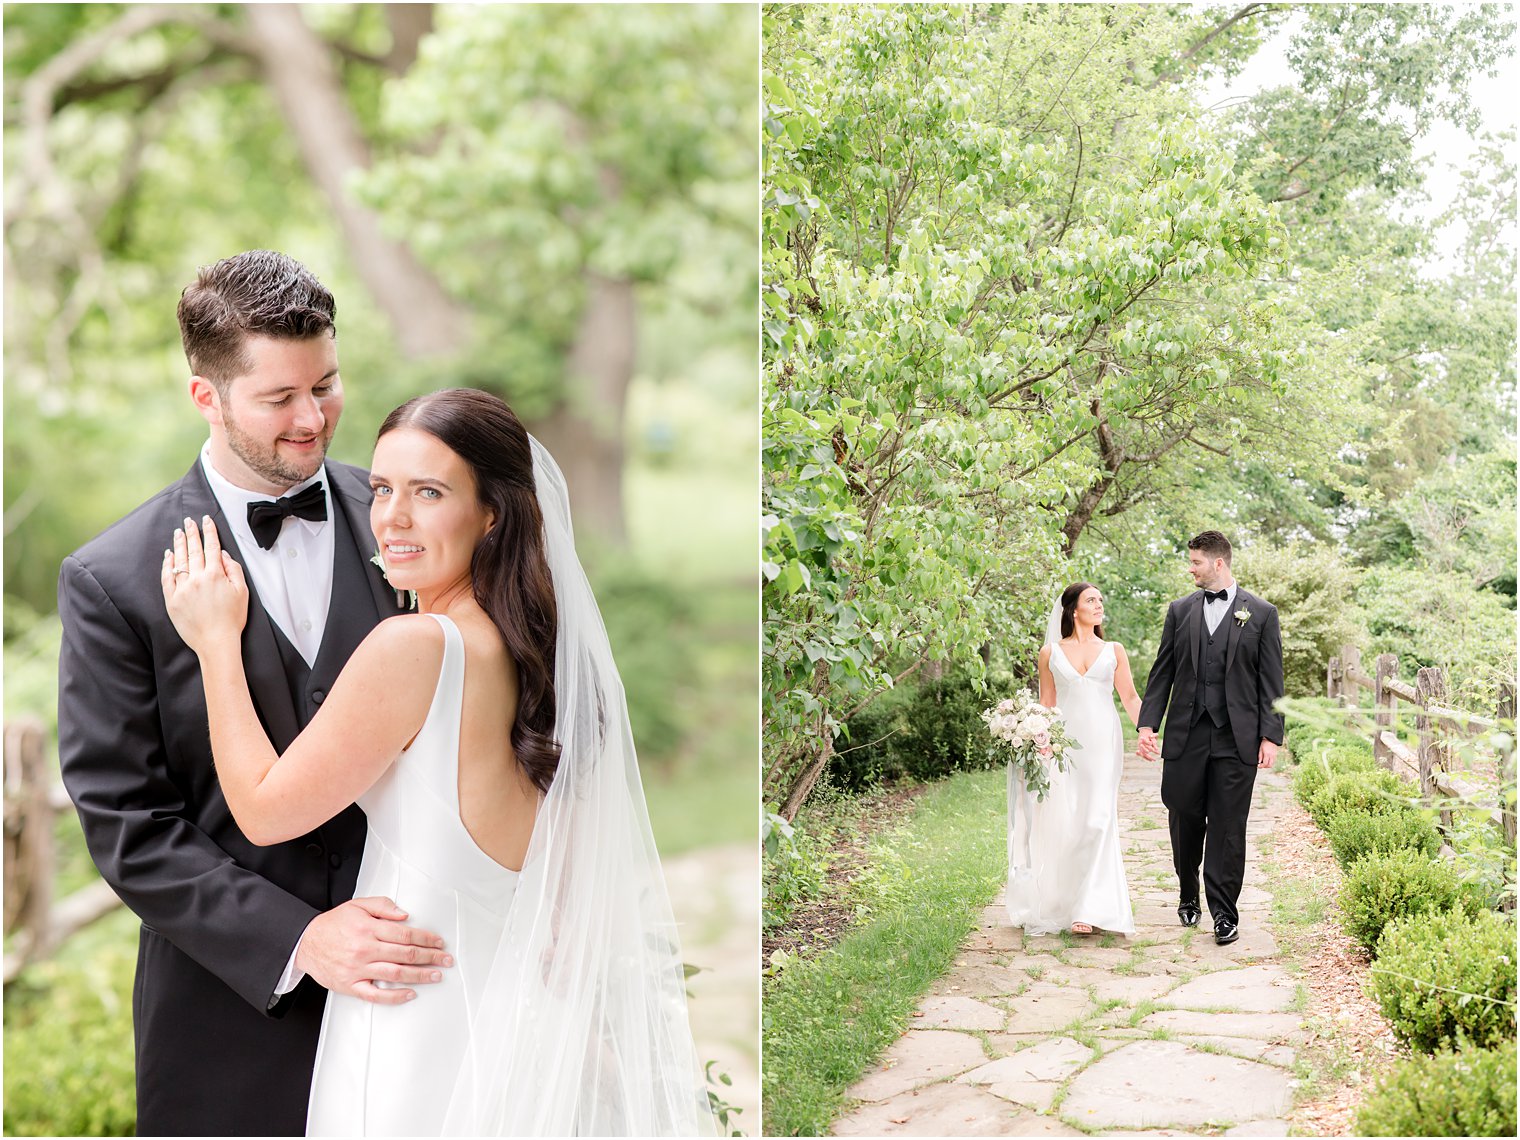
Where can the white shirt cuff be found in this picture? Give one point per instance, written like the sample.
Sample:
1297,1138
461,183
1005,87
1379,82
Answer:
291,978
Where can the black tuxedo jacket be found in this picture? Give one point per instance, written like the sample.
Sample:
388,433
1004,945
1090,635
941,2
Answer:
217,1054
1253,680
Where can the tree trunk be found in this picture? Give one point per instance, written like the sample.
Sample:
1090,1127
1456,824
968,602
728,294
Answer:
408,23
1113,458
299,67
803,785
585,432
1080,515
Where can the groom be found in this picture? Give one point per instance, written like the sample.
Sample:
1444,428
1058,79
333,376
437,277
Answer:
238,942
1217,675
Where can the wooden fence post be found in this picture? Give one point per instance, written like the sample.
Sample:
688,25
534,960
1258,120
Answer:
1430,684
1332,673
28,839
1507,769
1385,719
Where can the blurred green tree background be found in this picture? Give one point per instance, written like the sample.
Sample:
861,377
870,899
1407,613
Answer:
555,203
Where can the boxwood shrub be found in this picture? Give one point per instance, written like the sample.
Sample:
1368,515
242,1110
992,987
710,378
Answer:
1384,885
1447,981
1469,1093
1354,834
1317,769
1374,792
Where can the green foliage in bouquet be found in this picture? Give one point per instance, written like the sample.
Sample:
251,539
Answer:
1033,737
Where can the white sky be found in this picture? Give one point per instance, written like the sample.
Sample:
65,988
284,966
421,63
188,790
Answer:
1446,148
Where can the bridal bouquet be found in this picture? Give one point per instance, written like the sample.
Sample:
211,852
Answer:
1035,735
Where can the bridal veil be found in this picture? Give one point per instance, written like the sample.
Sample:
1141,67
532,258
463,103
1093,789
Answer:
582,1029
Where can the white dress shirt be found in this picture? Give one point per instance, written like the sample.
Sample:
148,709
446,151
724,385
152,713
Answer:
293,579
1214,611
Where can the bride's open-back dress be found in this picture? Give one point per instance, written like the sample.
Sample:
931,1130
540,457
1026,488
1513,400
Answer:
1065,864
389,1070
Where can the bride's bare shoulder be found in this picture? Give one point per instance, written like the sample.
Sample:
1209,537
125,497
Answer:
1118,649
1045,653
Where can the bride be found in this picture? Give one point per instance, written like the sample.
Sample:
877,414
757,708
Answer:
1065,867
486,738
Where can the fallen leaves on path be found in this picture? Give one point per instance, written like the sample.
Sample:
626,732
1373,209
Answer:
1345,1020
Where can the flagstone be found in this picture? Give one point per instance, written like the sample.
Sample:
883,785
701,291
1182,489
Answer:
1259,1128
939,1110
1044,1008
917,1058
955,1012
1031,1076
1263,1026
1165,1083
1263,988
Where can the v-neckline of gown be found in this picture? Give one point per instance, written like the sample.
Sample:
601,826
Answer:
1090,664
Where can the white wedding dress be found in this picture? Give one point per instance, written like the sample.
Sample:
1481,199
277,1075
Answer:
390,1070
1065,864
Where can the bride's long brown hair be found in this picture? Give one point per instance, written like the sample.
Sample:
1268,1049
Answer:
511,576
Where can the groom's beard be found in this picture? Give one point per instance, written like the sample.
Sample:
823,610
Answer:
264,459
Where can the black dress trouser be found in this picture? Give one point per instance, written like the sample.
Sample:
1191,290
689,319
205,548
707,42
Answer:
1207,793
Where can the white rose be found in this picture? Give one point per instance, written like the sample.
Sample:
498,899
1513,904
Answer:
1037,723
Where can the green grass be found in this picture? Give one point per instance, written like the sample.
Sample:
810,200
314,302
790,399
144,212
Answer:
828,1018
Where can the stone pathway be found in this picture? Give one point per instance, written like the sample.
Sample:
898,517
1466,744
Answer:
1162,1033
715,893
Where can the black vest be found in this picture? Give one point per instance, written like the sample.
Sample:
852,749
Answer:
309,684
339,841
1212,648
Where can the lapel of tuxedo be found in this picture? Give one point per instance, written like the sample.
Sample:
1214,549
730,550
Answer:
261,655
1192,624
352,497
1233,637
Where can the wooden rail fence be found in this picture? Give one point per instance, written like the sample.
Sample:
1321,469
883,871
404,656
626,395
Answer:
32,803
1437,725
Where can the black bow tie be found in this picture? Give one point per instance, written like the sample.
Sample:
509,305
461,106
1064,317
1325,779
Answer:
266,517
1215,596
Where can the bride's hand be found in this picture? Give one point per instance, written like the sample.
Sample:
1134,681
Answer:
204,589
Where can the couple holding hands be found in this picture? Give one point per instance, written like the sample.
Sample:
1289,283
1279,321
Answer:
1216,677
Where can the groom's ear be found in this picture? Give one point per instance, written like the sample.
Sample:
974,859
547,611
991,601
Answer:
207,400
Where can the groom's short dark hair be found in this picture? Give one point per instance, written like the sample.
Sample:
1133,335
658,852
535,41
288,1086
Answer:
258,293
1212,544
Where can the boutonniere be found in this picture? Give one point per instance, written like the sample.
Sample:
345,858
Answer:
405,599
1242,616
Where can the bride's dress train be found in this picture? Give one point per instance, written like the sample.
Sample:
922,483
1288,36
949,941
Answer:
1065,864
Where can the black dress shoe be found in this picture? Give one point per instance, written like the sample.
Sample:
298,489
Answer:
1225,932
1189,913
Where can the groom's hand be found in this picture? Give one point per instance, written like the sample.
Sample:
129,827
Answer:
350,948
1266,754
1149,748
